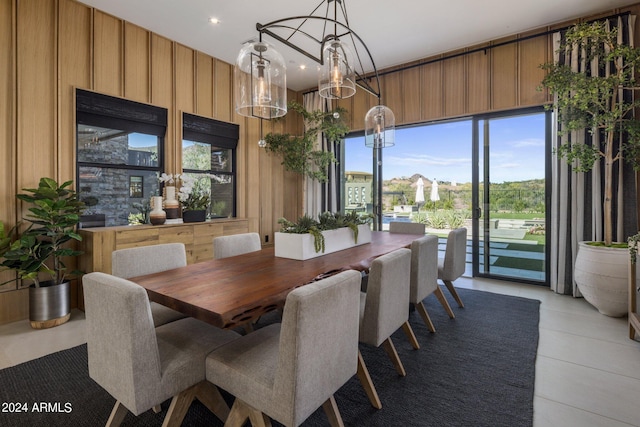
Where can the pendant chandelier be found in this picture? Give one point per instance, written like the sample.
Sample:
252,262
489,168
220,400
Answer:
260,81
325,37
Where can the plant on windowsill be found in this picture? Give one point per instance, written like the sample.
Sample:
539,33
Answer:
331,232
42,248
298,152
602,99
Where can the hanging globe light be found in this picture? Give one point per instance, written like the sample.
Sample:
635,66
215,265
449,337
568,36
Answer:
336,77
260,82
379,127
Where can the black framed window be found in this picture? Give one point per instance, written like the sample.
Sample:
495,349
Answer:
209,154
120,152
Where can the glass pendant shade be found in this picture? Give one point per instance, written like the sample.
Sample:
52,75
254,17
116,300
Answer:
379,127
336,79
260,82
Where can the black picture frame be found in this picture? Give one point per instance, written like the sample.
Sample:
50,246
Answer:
136,186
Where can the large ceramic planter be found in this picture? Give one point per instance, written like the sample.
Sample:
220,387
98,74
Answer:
601,274
49,305
301,247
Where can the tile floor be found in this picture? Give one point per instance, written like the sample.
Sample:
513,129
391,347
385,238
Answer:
587,370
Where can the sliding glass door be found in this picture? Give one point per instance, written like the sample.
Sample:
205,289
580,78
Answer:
510,209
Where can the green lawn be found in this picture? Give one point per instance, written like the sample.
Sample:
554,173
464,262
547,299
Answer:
516,215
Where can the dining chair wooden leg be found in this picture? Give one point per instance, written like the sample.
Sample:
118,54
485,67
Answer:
179,406
367,383
425,316
449,285
241,412
117,415
444,302
406,327
209,395
393,354
333,414
157,409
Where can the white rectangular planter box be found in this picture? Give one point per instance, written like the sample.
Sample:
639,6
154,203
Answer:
300,246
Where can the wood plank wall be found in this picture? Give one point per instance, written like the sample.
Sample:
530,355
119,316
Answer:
48,48
478,79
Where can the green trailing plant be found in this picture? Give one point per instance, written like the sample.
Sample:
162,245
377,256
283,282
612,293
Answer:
54,215
326,221
600,101
298,152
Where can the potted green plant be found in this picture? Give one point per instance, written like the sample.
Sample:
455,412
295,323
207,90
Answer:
298,153
195,197
309,238
40,250
602,100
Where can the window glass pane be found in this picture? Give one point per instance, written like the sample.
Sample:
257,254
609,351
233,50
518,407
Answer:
221,159
358,173
222,199
116,147
220,189
113,191
196,155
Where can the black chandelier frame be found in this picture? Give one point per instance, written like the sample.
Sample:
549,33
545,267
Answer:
362,79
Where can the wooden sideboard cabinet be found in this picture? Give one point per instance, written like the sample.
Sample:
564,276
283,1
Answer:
98,243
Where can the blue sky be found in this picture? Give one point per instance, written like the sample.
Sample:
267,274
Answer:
443,151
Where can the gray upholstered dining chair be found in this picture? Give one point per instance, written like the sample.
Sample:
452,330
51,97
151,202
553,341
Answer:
286,371
236,244
424,277
453,264
132,262
140,365
384,308
406,227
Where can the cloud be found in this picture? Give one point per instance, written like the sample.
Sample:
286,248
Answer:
413,159
531,142
509,166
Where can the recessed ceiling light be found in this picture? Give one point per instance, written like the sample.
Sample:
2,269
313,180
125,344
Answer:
214,20
302,66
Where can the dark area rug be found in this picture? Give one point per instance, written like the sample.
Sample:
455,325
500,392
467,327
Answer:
476,370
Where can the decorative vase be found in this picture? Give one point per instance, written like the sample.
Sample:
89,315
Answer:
171,205
601,274
194,216
157,216
49,305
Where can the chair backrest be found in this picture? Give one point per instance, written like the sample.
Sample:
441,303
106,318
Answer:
236,244
424,267
406,227
121,340
318,345
132,262
387,300
455,254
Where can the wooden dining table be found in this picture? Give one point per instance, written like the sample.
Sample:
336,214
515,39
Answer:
232,291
